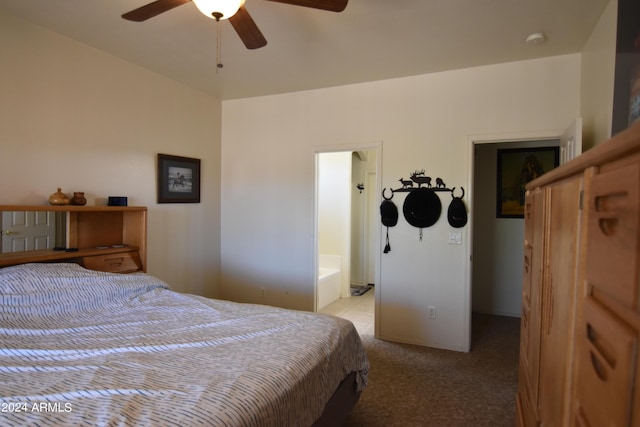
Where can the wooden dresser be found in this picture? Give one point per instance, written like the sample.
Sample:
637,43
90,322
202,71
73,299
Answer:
104,238
579,360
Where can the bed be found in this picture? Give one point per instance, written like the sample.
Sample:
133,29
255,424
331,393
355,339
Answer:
81,347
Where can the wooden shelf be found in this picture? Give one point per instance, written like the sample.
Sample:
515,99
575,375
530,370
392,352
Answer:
51,255
70,208
87,229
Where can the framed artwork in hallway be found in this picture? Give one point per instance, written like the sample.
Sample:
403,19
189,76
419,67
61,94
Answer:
517,167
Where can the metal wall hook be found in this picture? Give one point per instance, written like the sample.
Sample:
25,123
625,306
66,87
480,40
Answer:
454,189
385,197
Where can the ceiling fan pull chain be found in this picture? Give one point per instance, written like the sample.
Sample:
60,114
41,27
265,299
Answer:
218,46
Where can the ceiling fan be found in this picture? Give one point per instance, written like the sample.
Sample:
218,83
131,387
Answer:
234,11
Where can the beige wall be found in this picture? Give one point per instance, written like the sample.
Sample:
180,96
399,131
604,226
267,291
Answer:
424,122
597,71
77,118
74,117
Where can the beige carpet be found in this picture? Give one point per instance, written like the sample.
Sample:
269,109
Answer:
417,386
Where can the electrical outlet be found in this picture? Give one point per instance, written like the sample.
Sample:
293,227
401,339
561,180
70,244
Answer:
455,238
262,292
431,312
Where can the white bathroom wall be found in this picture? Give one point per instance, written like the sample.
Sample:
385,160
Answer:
334,211
363,202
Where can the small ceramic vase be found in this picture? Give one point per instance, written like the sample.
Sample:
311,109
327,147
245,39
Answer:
78,199
58,198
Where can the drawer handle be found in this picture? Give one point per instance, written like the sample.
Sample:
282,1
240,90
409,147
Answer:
611,202
120,260
608,225
602,347
597,366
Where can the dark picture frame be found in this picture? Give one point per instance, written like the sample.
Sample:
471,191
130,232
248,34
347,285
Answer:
626,86
516,167
178,179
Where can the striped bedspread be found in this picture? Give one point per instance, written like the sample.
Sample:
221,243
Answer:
80,347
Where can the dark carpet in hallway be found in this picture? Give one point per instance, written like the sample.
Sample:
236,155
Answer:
417,386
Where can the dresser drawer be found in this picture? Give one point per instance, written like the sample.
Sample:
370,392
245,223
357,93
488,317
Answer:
613,234
606,368
124,262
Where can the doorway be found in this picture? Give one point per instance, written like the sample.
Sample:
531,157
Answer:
29,231
483,218
497,242
348,233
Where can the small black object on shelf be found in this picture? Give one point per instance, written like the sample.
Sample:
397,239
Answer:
116,201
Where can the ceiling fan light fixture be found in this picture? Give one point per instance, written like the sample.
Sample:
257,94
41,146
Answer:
218,9
536,38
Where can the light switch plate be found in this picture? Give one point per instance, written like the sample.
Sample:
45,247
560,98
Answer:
455,238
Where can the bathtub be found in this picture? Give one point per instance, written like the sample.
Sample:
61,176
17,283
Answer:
329,279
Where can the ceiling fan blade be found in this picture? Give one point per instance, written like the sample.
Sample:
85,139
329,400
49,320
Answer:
330,5
247,29
152,9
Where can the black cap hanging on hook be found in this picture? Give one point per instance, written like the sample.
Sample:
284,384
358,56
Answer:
457,212
389,214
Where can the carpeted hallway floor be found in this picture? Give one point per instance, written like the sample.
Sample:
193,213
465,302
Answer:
417,386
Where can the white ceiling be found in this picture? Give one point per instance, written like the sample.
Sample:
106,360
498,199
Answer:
309,49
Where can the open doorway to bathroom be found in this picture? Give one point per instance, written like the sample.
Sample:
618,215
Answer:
348,235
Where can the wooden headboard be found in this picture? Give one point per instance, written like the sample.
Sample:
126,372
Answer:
105,238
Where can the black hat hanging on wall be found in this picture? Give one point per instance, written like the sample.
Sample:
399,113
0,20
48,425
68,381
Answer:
457,212
389,214
422,208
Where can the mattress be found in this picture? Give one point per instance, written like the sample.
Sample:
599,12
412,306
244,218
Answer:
80,347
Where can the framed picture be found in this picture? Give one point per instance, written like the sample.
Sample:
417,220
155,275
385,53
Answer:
178,179
516,167
626,86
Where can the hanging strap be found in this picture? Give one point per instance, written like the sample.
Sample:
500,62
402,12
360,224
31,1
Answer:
387,247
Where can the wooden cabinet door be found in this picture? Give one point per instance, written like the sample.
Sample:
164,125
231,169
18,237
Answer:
558,300
535,218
